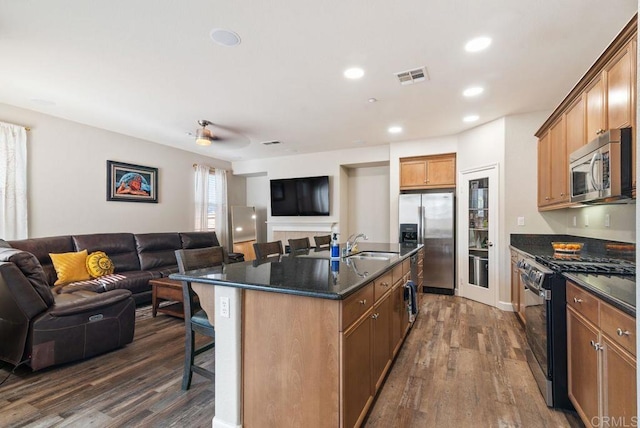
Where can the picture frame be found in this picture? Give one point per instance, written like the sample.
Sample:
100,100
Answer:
131,183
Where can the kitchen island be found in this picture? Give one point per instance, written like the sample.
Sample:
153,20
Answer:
305,340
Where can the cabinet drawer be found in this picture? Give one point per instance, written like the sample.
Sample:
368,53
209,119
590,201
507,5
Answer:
583,302
382,285
620,327
355,305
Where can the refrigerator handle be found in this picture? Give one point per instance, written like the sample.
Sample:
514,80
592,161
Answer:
420,224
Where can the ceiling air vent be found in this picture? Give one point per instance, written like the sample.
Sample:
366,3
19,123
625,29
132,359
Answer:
410,77
270,143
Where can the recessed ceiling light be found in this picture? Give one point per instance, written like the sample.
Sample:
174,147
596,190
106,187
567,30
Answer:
471,118
353,73
394,129
477,44
473,91
224,37
373,100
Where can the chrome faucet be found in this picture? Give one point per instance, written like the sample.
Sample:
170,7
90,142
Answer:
350,245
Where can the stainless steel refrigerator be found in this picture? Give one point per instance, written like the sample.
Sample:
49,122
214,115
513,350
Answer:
429,218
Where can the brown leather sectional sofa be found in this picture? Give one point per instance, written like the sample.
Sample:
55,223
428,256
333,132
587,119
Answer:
42,325
136,257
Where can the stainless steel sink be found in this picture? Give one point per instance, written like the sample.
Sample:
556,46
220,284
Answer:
373,255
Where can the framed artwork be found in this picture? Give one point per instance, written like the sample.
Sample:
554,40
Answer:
131,183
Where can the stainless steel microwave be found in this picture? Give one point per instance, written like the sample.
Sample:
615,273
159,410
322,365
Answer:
600,172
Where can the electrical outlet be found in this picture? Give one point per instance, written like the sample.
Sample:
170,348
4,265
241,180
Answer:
520,221
586,220
224,307
575,221
607,220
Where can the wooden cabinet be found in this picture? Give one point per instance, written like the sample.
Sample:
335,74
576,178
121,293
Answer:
605,98
596,119
517,288
357,366
601,359
381,332
428,172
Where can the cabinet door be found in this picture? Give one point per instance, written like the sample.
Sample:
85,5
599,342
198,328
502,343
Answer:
397,327
594,96
575,124
620,83
619,383
544,171
381,340
413,173
441,171
582,361
356,363
559,165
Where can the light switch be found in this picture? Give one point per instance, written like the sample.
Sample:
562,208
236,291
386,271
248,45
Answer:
520,221
224,307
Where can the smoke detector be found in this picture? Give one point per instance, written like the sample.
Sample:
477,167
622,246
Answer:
410,77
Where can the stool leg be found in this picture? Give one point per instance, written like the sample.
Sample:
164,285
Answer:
188,357
154,302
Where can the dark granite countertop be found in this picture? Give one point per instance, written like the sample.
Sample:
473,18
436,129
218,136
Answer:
617,290
312,274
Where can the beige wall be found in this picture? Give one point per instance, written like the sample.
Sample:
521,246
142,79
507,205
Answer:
67,179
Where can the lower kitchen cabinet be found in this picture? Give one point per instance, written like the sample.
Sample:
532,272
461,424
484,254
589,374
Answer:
357,365
381,330
601,363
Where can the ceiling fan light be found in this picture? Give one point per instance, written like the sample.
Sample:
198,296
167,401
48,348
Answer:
202,138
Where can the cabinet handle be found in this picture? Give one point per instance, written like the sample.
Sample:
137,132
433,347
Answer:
596,346
576,300
375,316
561,193
363,302
547,198
600,131
622,332
384,284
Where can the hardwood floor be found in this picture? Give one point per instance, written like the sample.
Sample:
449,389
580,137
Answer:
462,365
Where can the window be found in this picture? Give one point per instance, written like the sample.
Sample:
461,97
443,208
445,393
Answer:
211,202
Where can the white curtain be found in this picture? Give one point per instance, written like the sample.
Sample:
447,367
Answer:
201,197
13,181
222,210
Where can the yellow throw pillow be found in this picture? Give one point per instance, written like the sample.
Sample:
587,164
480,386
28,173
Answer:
99,264
70,267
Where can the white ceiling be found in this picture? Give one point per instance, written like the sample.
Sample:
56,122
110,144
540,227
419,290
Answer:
149,69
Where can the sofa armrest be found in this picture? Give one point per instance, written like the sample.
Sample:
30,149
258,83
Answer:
88,304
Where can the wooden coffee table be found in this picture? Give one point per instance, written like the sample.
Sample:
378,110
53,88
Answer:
165,289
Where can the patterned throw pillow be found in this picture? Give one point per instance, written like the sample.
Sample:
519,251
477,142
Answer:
70,267
99,264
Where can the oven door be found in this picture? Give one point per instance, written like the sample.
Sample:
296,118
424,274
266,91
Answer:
536,329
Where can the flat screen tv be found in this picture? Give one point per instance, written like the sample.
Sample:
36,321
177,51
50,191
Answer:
305,196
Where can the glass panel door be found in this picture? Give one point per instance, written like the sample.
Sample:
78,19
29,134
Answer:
479,232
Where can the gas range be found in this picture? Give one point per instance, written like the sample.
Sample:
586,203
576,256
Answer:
589,265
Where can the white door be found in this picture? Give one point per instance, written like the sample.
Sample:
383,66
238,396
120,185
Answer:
478,235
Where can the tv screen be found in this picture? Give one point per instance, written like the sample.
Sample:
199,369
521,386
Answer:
306,196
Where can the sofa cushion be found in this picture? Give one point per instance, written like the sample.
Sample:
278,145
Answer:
70,267
31,269
199,239
135,281
157,250
120,247
99,264
41,247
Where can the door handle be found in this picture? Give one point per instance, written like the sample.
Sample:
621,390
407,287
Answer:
490,244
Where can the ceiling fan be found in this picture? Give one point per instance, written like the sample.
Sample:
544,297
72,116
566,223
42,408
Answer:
228,136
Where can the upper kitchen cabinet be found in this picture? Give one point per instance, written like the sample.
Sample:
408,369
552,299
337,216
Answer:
428,172
603,99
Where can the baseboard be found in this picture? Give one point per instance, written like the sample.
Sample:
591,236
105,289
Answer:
505,306
436,290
